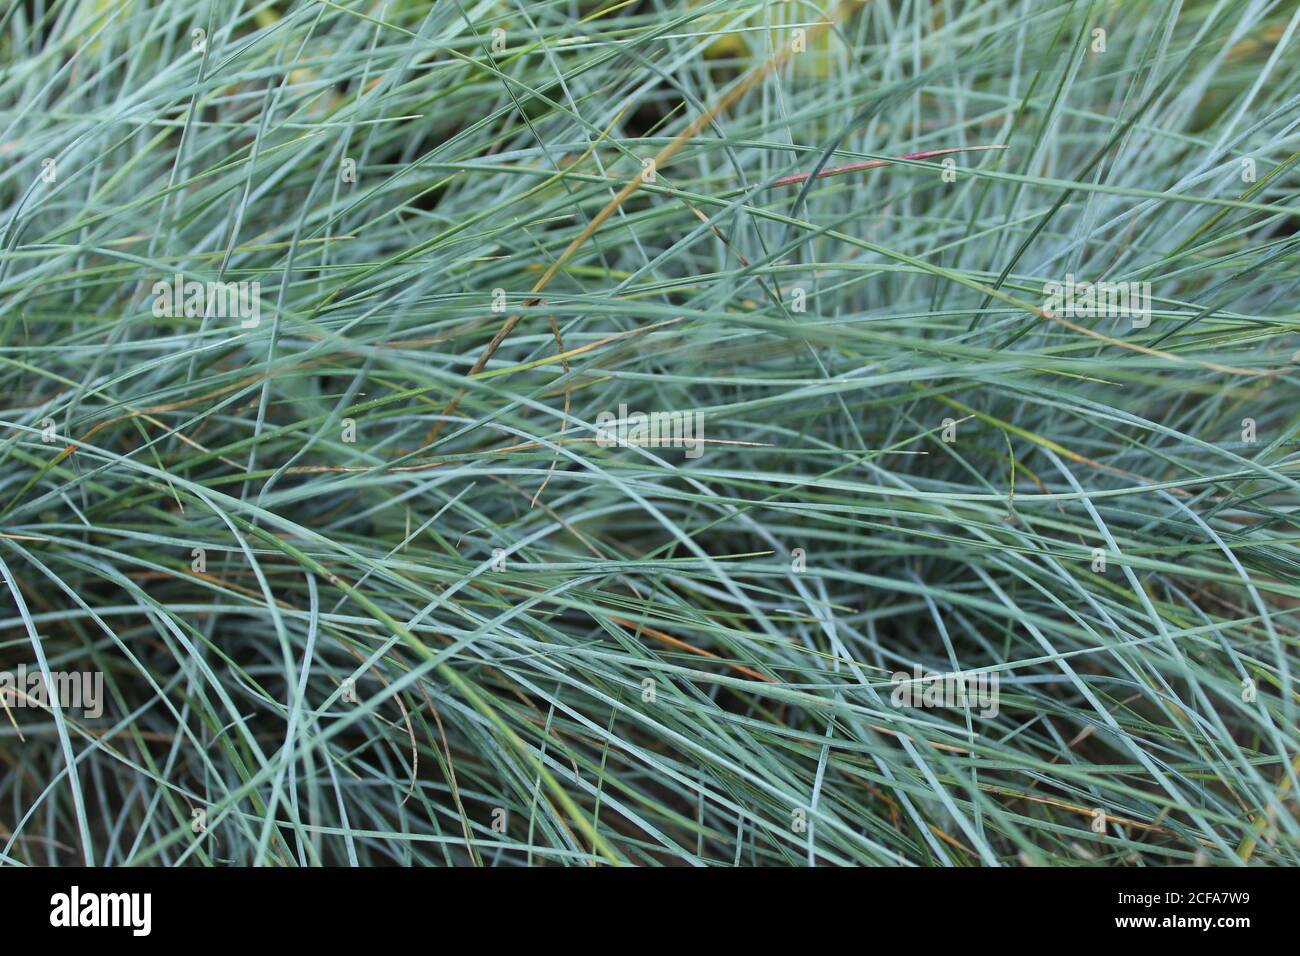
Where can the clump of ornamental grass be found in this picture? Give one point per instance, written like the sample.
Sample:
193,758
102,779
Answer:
696,433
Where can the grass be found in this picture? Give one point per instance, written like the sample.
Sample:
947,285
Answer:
366,587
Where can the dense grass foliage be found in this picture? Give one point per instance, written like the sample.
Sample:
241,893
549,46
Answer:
365,579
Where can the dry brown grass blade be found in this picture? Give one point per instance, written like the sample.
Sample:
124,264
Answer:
710,115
